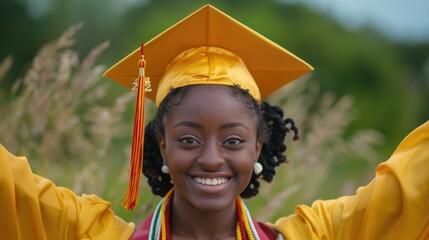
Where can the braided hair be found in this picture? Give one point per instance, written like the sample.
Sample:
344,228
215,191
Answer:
272,130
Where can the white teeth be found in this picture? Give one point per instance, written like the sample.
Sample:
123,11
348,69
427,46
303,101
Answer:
211,181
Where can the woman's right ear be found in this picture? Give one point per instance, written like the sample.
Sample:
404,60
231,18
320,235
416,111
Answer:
162,147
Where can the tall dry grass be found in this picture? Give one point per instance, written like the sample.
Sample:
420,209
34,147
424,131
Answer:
59,115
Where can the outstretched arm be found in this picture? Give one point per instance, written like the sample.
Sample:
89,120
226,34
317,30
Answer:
32,207
395,205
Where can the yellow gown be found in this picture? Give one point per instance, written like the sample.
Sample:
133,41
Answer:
32,207
395,205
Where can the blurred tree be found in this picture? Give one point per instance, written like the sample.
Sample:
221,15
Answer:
388,79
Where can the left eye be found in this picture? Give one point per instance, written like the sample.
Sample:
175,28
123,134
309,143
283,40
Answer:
189,141
233,141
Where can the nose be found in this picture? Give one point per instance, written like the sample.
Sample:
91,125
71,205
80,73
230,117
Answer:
211,158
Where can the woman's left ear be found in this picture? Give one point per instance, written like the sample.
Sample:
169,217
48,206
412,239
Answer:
258,149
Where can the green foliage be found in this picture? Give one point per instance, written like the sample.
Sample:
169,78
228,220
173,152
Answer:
387,79
76,129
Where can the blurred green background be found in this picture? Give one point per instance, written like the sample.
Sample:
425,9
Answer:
383,69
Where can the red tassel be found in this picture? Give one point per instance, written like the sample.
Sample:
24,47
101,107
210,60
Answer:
131,196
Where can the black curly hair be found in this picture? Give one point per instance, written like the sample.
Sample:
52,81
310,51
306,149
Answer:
272,130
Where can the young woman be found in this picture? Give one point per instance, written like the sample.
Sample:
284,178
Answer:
211,141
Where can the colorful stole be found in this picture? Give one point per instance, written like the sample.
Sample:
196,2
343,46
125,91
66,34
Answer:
160,224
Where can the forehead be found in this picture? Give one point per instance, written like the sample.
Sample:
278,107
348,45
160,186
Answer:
217,101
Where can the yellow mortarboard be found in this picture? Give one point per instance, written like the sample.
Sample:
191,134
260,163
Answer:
206,47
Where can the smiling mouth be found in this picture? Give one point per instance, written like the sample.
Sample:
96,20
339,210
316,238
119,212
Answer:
211,181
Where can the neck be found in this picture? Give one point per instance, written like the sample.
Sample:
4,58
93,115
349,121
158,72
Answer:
188,222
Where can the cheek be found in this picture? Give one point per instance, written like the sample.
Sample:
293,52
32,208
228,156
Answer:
179,161
243,164
172,156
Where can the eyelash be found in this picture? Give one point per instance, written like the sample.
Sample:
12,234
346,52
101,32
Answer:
187,140
237,141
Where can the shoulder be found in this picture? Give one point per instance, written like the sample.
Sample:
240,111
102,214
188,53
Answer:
265,231
142,232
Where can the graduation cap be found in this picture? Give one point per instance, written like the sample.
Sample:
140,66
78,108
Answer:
206,47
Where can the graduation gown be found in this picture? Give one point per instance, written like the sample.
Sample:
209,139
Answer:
395,205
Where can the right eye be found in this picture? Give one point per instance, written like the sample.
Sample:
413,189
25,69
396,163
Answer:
189,141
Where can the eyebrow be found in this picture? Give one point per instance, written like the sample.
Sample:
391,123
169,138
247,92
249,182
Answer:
233,124
188,124
199,126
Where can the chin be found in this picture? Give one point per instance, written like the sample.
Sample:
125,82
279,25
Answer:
212,205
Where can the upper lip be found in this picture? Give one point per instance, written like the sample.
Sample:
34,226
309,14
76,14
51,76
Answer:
211,175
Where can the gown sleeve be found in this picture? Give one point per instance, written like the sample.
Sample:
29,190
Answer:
32,207
394,205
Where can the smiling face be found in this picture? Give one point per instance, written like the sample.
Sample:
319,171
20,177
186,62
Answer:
210,145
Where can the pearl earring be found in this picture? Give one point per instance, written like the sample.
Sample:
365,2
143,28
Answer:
165,169
257,168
